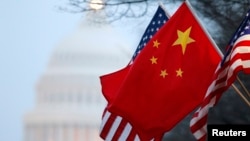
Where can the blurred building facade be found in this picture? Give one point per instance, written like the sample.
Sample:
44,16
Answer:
69,102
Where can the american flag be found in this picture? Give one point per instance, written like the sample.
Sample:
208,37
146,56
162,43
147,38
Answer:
114,127
158,20
237,58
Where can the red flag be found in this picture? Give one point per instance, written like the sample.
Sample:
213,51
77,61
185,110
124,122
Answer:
125,131
237,58
109,89
166,81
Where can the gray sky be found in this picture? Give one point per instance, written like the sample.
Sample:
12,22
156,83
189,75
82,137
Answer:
29,31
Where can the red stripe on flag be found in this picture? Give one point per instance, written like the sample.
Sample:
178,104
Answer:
119,130
132,135
107,126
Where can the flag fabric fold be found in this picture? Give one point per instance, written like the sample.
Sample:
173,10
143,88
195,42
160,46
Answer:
109,89
111,83
166,81
237,58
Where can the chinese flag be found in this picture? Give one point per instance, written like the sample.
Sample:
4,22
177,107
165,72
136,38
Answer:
167,80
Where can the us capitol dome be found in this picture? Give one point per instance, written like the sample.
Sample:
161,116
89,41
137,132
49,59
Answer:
69,102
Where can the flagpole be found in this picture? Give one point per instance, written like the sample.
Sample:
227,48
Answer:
219,51
241,95
204,29
243,86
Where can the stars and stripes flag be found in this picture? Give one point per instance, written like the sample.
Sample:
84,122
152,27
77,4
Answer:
120,128
158,20
237,58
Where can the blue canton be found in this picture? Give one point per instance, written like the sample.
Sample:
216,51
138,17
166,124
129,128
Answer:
159,19
243,29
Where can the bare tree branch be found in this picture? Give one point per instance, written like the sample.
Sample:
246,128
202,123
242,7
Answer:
115,9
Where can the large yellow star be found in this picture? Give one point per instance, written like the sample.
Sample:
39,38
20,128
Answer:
183,39
179,72
163,73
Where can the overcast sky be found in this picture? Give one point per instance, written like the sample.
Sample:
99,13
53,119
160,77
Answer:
29,31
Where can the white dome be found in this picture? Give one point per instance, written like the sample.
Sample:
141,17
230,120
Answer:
69,92
92,48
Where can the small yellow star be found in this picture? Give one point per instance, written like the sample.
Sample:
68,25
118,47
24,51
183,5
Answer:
184,39
179,72
163,73
156,44
153,60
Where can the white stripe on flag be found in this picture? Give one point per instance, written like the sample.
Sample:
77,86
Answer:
137,138
242,38
240,50
246,64
113,129
125,132
201,132
104,120
210,88
203,111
